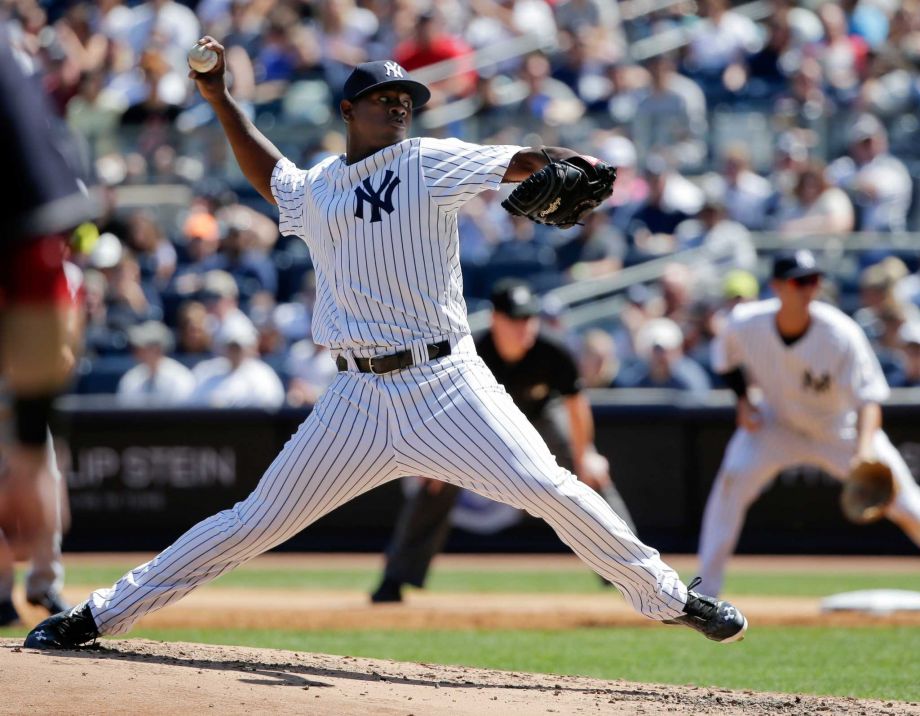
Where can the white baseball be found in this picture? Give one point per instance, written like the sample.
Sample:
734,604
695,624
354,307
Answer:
202,59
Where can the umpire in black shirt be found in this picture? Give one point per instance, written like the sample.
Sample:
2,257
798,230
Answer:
542,378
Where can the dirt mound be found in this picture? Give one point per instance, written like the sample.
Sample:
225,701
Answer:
155,678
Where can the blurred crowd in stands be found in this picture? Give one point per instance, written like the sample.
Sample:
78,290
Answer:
797,119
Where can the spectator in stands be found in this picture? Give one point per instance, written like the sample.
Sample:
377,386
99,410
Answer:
311,369
768,70
677,285
597,359
882,312
804,103
671,199
671,116
708,317
817,206
626,83
597,25
93,113
789,159
155,254
127,300
271,343
720,44
866,20
892,319
276,60
660,345
738,286
904,30
431,44
630,188
220,295
908,375
482,225
843,56
237,378
596,250
575,67
527,16
888,88
239,256
98,338
201,236
165,24
195,340
344,31
159,100
878,183
239,25
727,242
548,101
745,194
156,380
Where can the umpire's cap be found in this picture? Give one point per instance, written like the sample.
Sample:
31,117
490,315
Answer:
795,264
370,76
514,298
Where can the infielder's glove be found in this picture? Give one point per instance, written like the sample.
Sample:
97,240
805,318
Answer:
563,191
867,492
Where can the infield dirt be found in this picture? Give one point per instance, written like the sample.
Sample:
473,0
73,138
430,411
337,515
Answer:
147,677
157,678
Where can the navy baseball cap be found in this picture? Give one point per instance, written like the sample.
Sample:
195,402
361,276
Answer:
795,264
370,76
514,298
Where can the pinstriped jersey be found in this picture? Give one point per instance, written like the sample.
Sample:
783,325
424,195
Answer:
382,234
814,385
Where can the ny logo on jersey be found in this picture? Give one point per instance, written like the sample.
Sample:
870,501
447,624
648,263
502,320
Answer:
379,198
816,383
393,70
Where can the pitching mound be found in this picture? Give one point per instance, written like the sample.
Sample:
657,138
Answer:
155,678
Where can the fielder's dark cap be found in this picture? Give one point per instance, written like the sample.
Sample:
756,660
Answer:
370,76
795,264
515,298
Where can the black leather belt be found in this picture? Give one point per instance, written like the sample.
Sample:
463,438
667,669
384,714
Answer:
378,365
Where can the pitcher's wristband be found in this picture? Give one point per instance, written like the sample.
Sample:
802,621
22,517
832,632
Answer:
736,381
32,416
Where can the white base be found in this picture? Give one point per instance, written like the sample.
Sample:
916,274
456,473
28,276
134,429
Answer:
875,601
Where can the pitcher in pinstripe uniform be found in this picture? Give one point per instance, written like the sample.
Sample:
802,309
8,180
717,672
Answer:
820,386
412,397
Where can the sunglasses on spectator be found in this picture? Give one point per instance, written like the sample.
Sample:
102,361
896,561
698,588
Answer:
806,281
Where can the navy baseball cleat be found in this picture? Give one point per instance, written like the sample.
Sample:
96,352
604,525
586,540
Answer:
66,630
713,618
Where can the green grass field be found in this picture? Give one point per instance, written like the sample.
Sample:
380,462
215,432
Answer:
872,662
798,584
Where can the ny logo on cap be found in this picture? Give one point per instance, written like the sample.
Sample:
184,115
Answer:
393,69
805,259
376,197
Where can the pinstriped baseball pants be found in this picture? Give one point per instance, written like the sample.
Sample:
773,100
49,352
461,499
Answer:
447,419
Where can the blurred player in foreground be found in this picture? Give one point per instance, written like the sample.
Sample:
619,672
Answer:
43,200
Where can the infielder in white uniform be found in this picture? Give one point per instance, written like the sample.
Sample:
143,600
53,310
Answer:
821,386
411,397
